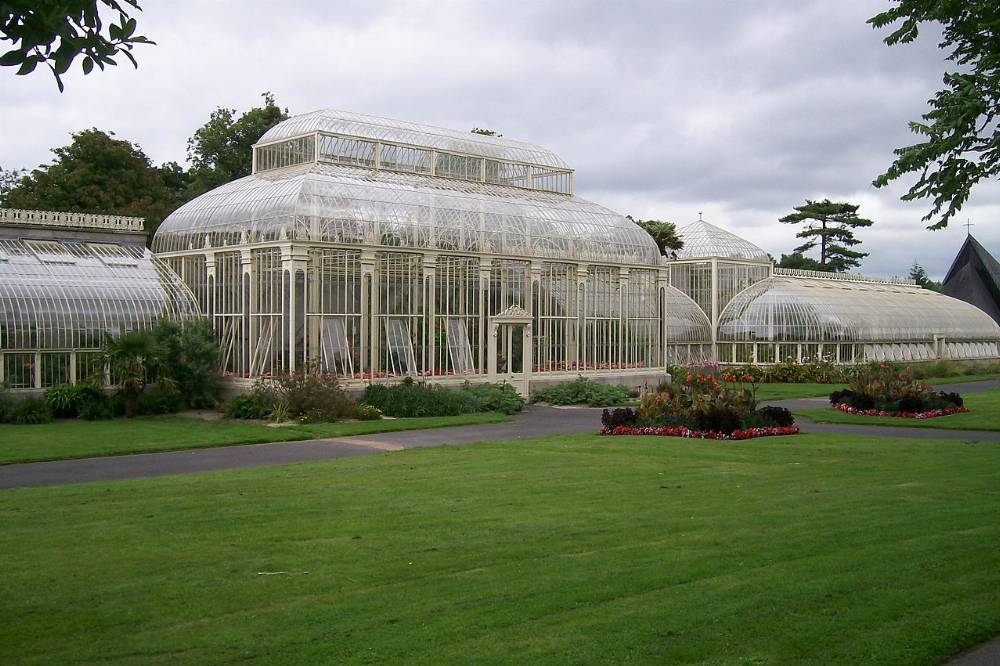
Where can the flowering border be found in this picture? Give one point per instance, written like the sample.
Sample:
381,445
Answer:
682,431
944,411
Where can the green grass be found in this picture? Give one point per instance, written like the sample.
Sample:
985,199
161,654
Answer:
785,391
984,414
573,549
82,439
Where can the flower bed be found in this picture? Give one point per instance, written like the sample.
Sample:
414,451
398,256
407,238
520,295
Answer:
878,389
703,404
944,411
682,431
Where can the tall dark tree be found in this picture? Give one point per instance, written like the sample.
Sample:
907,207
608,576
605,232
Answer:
57,32
919,275
220,150
961,131
664,233
96,173
830,225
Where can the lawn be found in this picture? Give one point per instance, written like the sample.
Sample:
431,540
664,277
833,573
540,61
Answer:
983,414
571,549
785,391
81,439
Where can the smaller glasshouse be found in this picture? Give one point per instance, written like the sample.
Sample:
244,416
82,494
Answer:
763,314
68,280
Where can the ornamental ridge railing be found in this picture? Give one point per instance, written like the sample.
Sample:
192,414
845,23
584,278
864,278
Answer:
846,277
63,220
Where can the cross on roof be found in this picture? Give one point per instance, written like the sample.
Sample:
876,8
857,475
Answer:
968,226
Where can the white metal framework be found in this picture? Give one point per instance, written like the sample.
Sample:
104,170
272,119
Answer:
849,320
375,248
63,292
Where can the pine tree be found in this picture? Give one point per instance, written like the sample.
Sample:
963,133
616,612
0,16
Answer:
830,225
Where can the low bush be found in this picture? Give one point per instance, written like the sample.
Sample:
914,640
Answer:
30,411
69,400
98,408
409,399
369,413
314,398
621,416
583,391
253,405
496,397
161,398
774,416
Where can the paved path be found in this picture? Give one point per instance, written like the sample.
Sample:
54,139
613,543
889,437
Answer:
534,421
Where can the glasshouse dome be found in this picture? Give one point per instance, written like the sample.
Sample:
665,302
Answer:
67,280
702,239
847,318
376,248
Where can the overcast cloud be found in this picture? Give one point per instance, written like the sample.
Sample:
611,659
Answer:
739,109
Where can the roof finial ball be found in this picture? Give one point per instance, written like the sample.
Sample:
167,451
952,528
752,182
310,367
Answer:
699,216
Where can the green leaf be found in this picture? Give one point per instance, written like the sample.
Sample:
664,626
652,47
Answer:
15,57
88,65
28,66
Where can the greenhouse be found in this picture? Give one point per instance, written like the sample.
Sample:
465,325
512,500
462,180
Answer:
67,281
374,248
799,316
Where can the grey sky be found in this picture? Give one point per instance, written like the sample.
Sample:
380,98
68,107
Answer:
739,109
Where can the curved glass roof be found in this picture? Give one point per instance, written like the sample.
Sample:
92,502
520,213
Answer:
68,295
686,321
386,129
351,205
807,310
702,239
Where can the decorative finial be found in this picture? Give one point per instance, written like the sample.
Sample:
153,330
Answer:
699,216
968,226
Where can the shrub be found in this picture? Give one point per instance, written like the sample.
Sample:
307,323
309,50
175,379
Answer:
409,398
495,397
253,405
582,391
951,398
622,416
313,397
844,396
98,408
911,403
189,356
62,400
6,405
162,398
718,418
777,416
31,411
369,413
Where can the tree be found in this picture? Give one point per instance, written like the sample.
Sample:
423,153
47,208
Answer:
830,225
56,32
131,358
96,173
962,133
486,132
799,261
9,179
221,149
663,233
919,275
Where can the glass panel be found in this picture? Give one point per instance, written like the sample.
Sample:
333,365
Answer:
19,370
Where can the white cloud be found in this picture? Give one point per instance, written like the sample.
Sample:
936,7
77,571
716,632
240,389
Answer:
740,110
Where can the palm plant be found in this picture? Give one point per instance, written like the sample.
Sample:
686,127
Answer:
132,358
